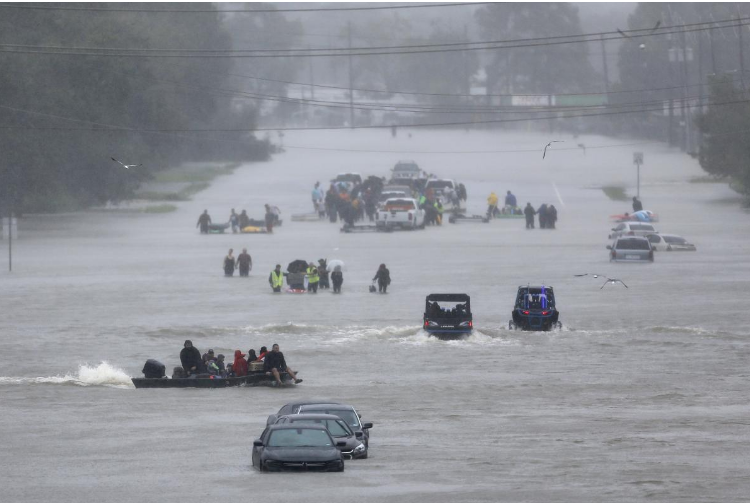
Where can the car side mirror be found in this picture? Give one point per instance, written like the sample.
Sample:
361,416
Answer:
258,443
359,434
340,444
367,426
609,247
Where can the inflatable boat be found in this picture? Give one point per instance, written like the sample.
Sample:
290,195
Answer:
206,381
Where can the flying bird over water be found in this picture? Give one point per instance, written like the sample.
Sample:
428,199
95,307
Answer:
547,145
613,281
589,274
126,166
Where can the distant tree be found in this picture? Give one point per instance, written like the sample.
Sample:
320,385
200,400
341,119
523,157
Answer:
562,68
725,151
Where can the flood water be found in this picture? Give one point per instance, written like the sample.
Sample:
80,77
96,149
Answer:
642,394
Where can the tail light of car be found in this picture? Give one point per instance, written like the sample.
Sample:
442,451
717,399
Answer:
526,312
545,312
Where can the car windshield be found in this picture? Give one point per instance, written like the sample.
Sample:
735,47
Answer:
299,437
337,428
674,240
535,298
439,184
633,244
349,416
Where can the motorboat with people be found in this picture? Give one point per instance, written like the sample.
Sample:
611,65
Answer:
448,316
535,309
154,377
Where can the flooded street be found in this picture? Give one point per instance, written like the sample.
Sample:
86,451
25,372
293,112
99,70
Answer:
643,393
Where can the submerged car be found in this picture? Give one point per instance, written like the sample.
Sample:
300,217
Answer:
669,242
299,447
448,315
346,412
337,427
535,309
631,249
293,408
632,229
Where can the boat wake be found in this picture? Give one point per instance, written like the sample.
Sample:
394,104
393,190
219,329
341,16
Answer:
102,375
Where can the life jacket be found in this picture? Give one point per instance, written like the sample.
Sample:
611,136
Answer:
277,281
312,275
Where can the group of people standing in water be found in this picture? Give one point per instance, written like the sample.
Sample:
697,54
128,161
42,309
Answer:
243,262
547,216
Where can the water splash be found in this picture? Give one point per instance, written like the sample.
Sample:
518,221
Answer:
102,375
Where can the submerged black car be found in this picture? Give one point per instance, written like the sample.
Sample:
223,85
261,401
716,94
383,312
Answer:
297,447
349,414
448,315
535,309
337,427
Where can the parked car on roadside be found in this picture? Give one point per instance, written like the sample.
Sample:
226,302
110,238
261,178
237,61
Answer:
632,229
631,249
669,242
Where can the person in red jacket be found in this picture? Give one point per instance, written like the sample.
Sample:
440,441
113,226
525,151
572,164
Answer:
240,364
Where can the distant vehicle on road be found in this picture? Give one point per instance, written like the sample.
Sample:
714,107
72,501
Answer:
297,447
535,309
631,249
406,171
448,315
632,229
669,242
448,192
401,212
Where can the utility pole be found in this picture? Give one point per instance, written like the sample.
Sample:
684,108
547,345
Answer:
351,85
466,65
713,55
604,66
312,78
742,54
685,106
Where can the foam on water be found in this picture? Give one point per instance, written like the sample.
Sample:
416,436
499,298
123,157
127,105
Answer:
102,375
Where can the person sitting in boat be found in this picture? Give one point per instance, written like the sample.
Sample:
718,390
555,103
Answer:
275,363
191,360
213,369
208,356
220,363
251,356
240,365
262,355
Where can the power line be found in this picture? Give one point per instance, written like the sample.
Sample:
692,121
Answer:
324,128
340,52
251,11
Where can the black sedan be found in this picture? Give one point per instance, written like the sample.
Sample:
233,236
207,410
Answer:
338,429
297,447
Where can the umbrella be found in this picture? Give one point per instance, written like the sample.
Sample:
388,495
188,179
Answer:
333,263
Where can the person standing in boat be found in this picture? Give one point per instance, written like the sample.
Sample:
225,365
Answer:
229,264
190,358
244,262
275,363
240,364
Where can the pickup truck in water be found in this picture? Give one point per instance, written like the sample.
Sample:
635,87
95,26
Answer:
400,212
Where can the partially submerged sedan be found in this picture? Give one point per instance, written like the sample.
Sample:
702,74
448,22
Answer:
631,249
669,242
297,447
337,427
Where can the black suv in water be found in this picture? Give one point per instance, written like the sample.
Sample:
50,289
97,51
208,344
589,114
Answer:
448,315
535,309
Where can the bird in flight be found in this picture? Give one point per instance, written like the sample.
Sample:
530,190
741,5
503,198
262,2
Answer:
613,281
547,145
589,274
126,166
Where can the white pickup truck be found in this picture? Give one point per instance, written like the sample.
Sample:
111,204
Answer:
400,212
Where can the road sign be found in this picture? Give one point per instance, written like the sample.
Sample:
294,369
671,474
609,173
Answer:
637,157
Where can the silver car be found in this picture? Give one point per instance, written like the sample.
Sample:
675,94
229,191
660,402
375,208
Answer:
669,242
632,229
631,249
